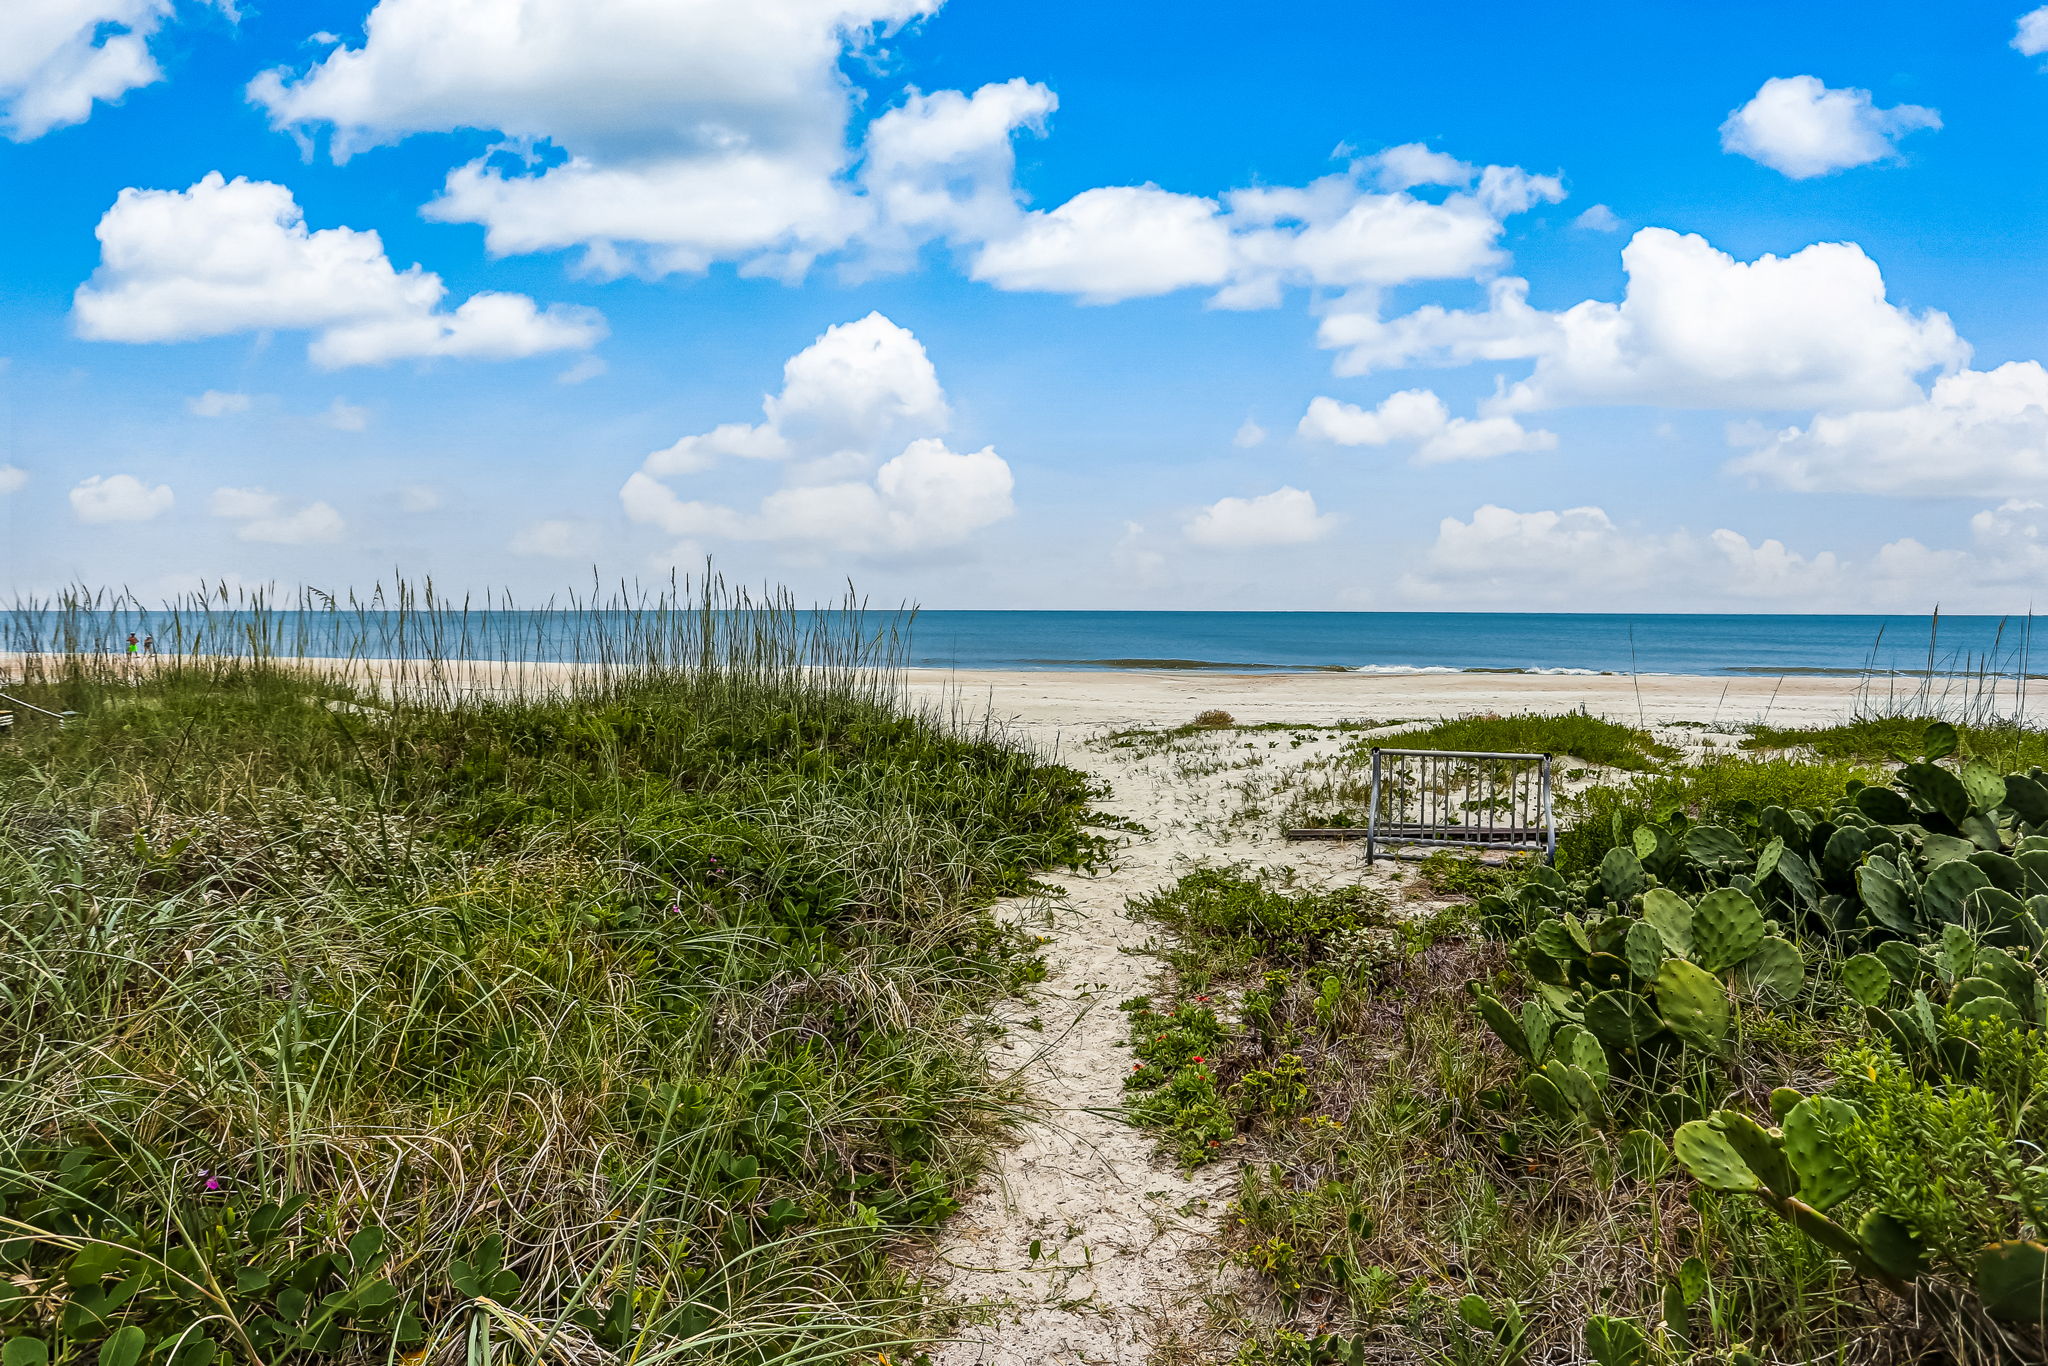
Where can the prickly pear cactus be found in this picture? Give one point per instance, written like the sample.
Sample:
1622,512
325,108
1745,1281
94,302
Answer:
2012,1281
1726,928
1776,966
1866,978
1671,916
1644,950
1621,876
1813,1150
1692,1003
1623,1019
1702,1149
1616,1342
1762,1150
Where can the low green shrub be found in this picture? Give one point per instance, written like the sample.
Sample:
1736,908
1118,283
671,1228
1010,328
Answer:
1267,912
1577,734
2009,746
1724,789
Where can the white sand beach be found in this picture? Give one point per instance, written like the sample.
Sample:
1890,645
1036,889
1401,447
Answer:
1086,700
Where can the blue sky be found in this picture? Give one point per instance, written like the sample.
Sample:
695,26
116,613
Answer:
1597,307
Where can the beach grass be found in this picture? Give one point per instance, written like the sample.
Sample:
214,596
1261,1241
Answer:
1717,789
1577,735
2008,745
622,1010
1390,1169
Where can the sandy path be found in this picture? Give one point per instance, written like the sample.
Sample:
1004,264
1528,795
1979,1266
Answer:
1126,1250
1125,1241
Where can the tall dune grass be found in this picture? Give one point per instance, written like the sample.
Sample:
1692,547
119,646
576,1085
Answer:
605,999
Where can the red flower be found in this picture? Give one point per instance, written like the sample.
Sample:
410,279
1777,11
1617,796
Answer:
1196,1058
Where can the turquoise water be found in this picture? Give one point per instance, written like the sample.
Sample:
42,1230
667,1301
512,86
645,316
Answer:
1366,641
1477,641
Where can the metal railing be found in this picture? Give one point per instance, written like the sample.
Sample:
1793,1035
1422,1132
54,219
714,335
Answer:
59,716
1439,798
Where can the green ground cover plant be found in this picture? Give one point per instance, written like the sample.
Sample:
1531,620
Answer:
1576,734
1718,789
345,1017
1766,1087
2006,745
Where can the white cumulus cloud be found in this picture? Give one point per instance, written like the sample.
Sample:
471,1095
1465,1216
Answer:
13,479
236,256
2031,34
59,57
1799,126
1506,329
1700,329
1114,243
944,164
1418,417
1347,231
344,416
1598,218
1286,516
1975,433
555,538
1580,555
214,403
119,498
264,516
693,130
860,391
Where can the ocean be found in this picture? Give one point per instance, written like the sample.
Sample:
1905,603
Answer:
1520,642
1381,642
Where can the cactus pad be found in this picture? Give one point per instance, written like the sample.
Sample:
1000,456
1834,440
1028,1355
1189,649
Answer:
1692,1003
1644,1155
1717,848
1891,1247
1984,784
1885,805
1814,1152
1726,928
1616,1342
1946,889
1706,1153
1936,789
1762,1150
1644,949
1551,939
1884,896
1622,1019
1503,1023
2012,1280
1902,960
1866,978
1671,916
1776,966
2026,798
1576,1047
1621,876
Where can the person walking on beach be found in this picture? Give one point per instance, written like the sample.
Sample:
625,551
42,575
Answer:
149,645
131,643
